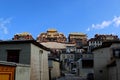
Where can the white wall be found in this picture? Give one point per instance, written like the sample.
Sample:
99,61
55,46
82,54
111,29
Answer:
39,64
44,66
22,73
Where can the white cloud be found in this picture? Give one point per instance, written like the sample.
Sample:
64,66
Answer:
3,23
102,25
88,29
115,21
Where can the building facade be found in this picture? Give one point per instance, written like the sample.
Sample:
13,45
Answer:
28,52
100,38
78,38
51,35
85,65
106,61
54,68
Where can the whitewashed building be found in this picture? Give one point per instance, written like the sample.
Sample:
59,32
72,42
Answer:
100,38
26,52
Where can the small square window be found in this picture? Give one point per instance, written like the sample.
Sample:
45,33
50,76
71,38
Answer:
13,56
116,53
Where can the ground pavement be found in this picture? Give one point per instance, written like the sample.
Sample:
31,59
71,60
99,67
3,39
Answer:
69,76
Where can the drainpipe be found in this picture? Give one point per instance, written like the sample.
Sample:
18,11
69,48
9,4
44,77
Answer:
40,63
116,71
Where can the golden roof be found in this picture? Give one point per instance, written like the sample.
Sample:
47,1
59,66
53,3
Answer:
51,30
24,34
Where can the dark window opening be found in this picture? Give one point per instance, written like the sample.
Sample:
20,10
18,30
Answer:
13,56
87,63
74,65
101,71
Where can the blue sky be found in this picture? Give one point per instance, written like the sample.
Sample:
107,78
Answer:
35,16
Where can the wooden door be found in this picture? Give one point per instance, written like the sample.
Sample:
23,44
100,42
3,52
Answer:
7,72
5,77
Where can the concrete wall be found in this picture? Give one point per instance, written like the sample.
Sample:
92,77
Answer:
101,59
24,57
22,73
44,66
84,72
55,71
114,71
118,69
39,64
